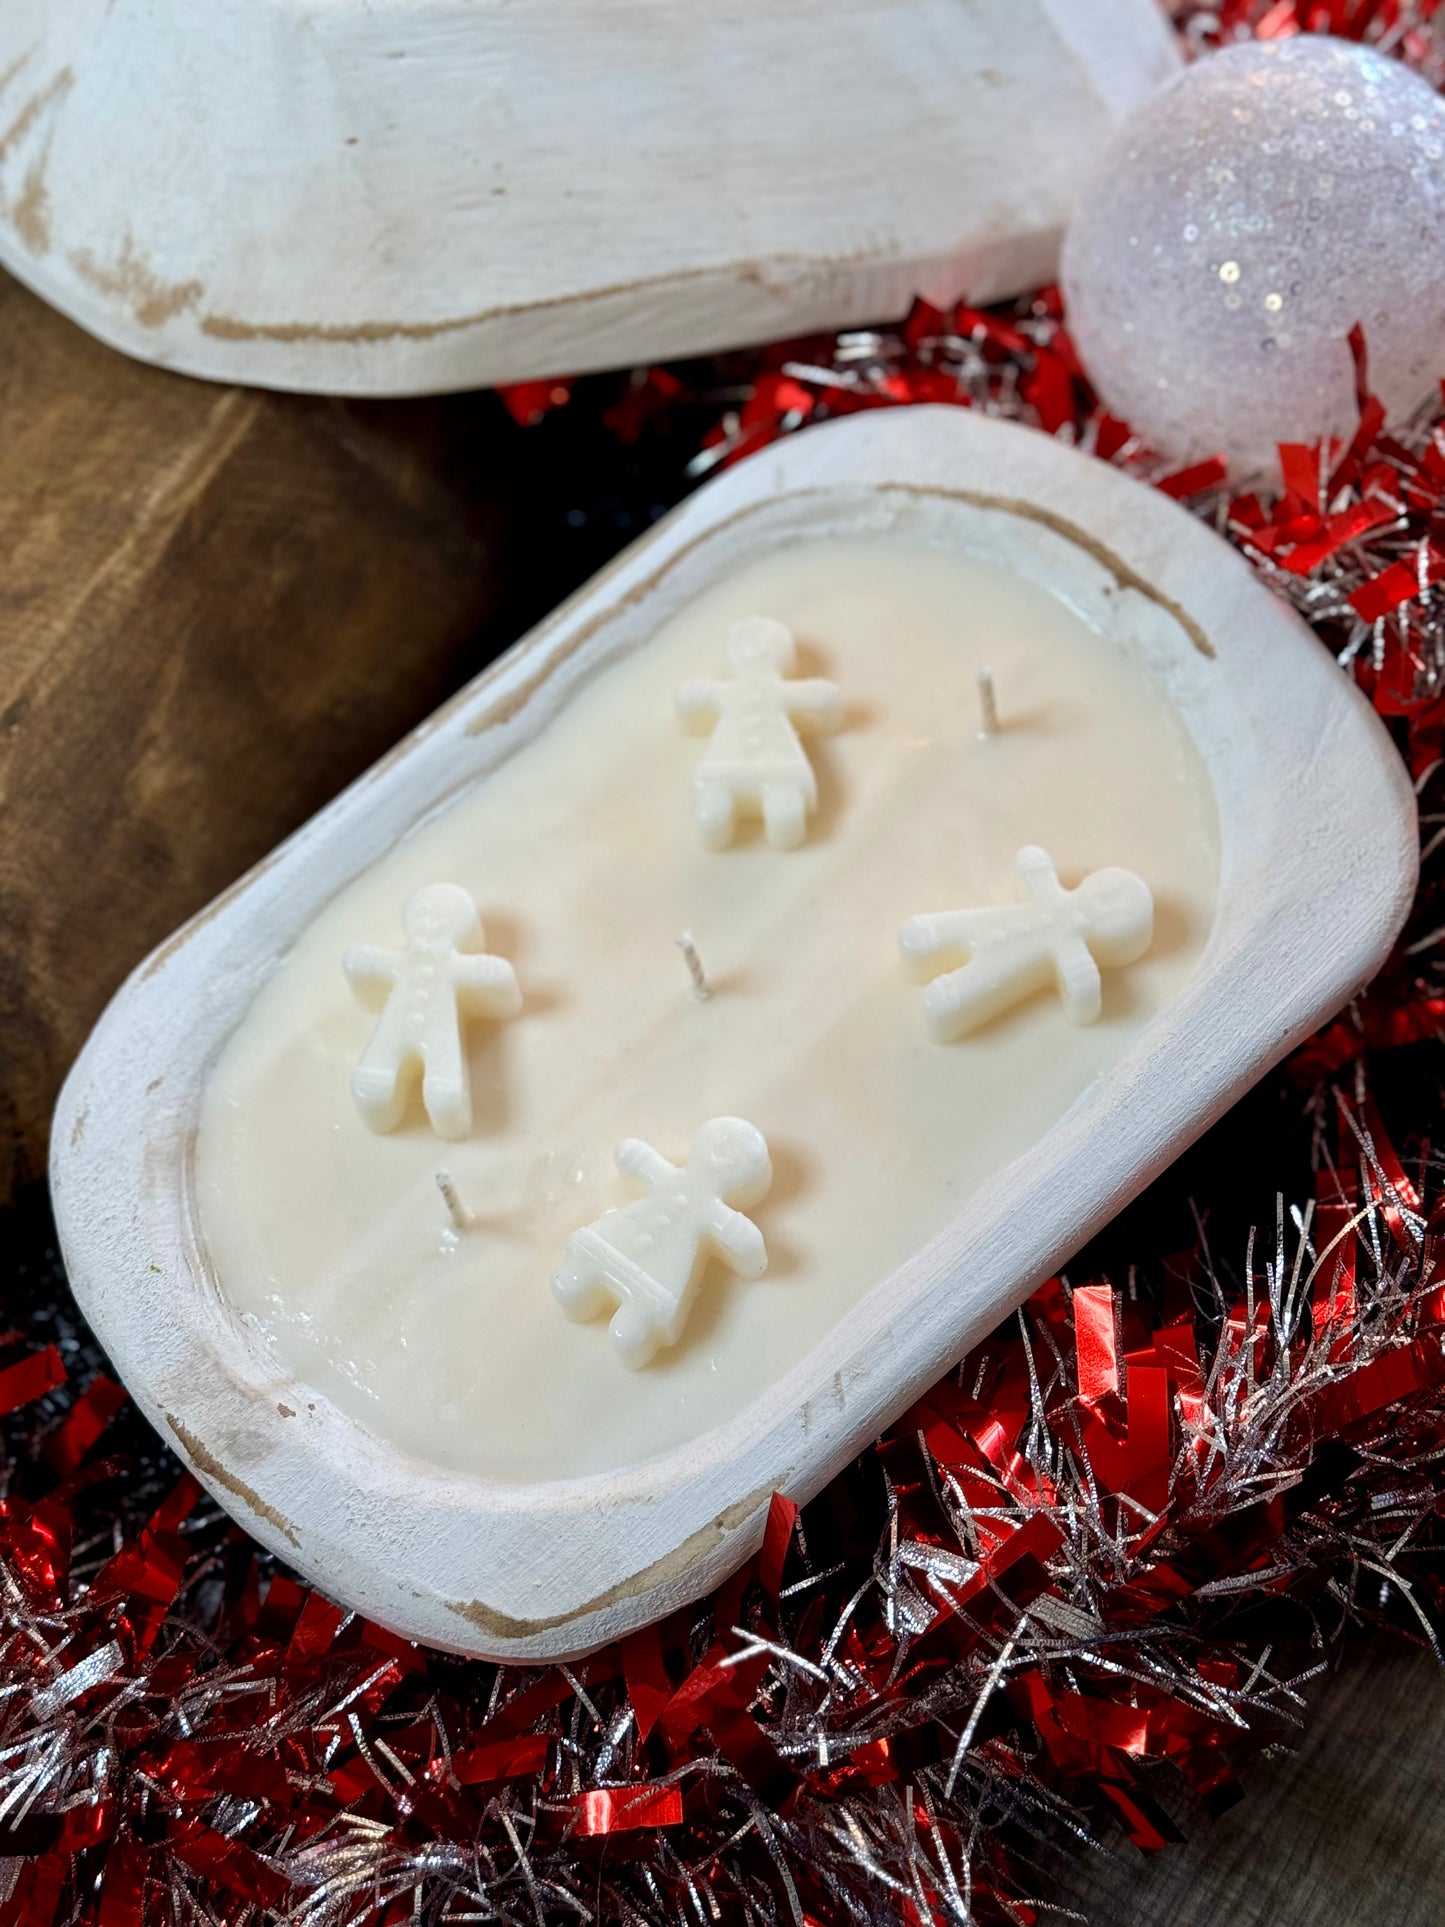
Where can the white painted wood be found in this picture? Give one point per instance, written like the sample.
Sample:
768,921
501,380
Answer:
1318,866
414,195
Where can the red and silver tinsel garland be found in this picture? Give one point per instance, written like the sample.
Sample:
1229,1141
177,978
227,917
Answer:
1098,1563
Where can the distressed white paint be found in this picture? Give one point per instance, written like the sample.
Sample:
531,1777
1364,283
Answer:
420,195
1318,860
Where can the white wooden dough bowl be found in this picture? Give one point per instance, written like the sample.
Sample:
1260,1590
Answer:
1318,863
416,195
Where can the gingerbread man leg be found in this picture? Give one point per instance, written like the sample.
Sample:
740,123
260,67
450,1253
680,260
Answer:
785,814
446,1090
965,999
715,807
383,1078
578,1284
635,1334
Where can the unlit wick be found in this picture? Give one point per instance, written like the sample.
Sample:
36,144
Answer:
453,1203
987,706
701,988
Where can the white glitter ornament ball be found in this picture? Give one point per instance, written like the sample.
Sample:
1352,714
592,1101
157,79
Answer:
1240,223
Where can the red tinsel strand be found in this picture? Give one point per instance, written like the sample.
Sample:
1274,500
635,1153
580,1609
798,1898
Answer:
1408,29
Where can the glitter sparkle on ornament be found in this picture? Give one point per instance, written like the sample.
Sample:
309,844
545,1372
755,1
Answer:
1241,222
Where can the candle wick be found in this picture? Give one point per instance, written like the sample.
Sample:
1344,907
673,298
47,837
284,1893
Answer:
701,988
458,1212
987,705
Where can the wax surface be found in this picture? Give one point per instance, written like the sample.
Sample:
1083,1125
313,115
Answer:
585,861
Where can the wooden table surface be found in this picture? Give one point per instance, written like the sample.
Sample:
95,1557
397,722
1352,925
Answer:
1348,1832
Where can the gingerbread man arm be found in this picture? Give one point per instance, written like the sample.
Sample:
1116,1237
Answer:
371,972
637,1160
699,704
737,1240
486,986
813,703
1036,872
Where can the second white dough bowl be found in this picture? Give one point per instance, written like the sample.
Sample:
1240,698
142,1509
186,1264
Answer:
385,197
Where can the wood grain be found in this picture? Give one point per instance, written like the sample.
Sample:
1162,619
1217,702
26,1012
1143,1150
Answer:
215,606
1347,1832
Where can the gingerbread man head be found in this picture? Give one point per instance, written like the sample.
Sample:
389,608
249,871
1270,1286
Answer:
1118,912
731,1156
759,642
442,917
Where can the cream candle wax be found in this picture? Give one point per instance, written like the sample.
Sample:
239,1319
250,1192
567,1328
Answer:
583,856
